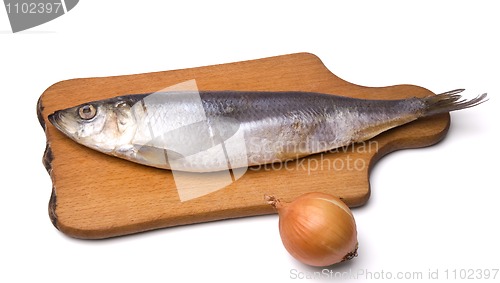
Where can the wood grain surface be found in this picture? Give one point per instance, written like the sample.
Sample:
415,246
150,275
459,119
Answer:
98,196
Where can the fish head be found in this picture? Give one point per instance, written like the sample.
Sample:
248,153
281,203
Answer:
102,125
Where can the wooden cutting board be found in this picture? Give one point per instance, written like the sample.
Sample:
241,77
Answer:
99,196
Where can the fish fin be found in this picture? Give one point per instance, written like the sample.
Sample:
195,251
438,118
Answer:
376,129
156,157
449,101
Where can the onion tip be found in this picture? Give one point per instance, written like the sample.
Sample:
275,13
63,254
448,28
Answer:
351,255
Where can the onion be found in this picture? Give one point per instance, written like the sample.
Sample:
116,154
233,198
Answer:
317,229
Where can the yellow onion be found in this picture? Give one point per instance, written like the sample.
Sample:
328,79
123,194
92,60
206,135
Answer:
317,229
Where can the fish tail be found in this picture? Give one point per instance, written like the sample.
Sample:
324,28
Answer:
449,101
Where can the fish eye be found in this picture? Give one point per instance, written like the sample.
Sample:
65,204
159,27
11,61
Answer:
87,111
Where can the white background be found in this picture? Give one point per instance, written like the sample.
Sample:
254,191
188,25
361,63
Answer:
435,208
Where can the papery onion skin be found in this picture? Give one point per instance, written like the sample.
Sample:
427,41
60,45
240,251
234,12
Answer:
317,229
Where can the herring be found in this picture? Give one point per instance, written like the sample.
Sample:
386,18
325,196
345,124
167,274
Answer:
212,131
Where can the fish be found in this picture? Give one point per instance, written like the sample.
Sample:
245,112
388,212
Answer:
210,131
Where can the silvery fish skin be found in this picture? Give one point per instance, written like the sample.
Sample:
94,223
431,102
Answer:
211,131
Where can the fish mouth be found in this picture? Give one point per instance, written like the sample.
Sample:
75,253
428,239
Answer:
52,118
56,119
